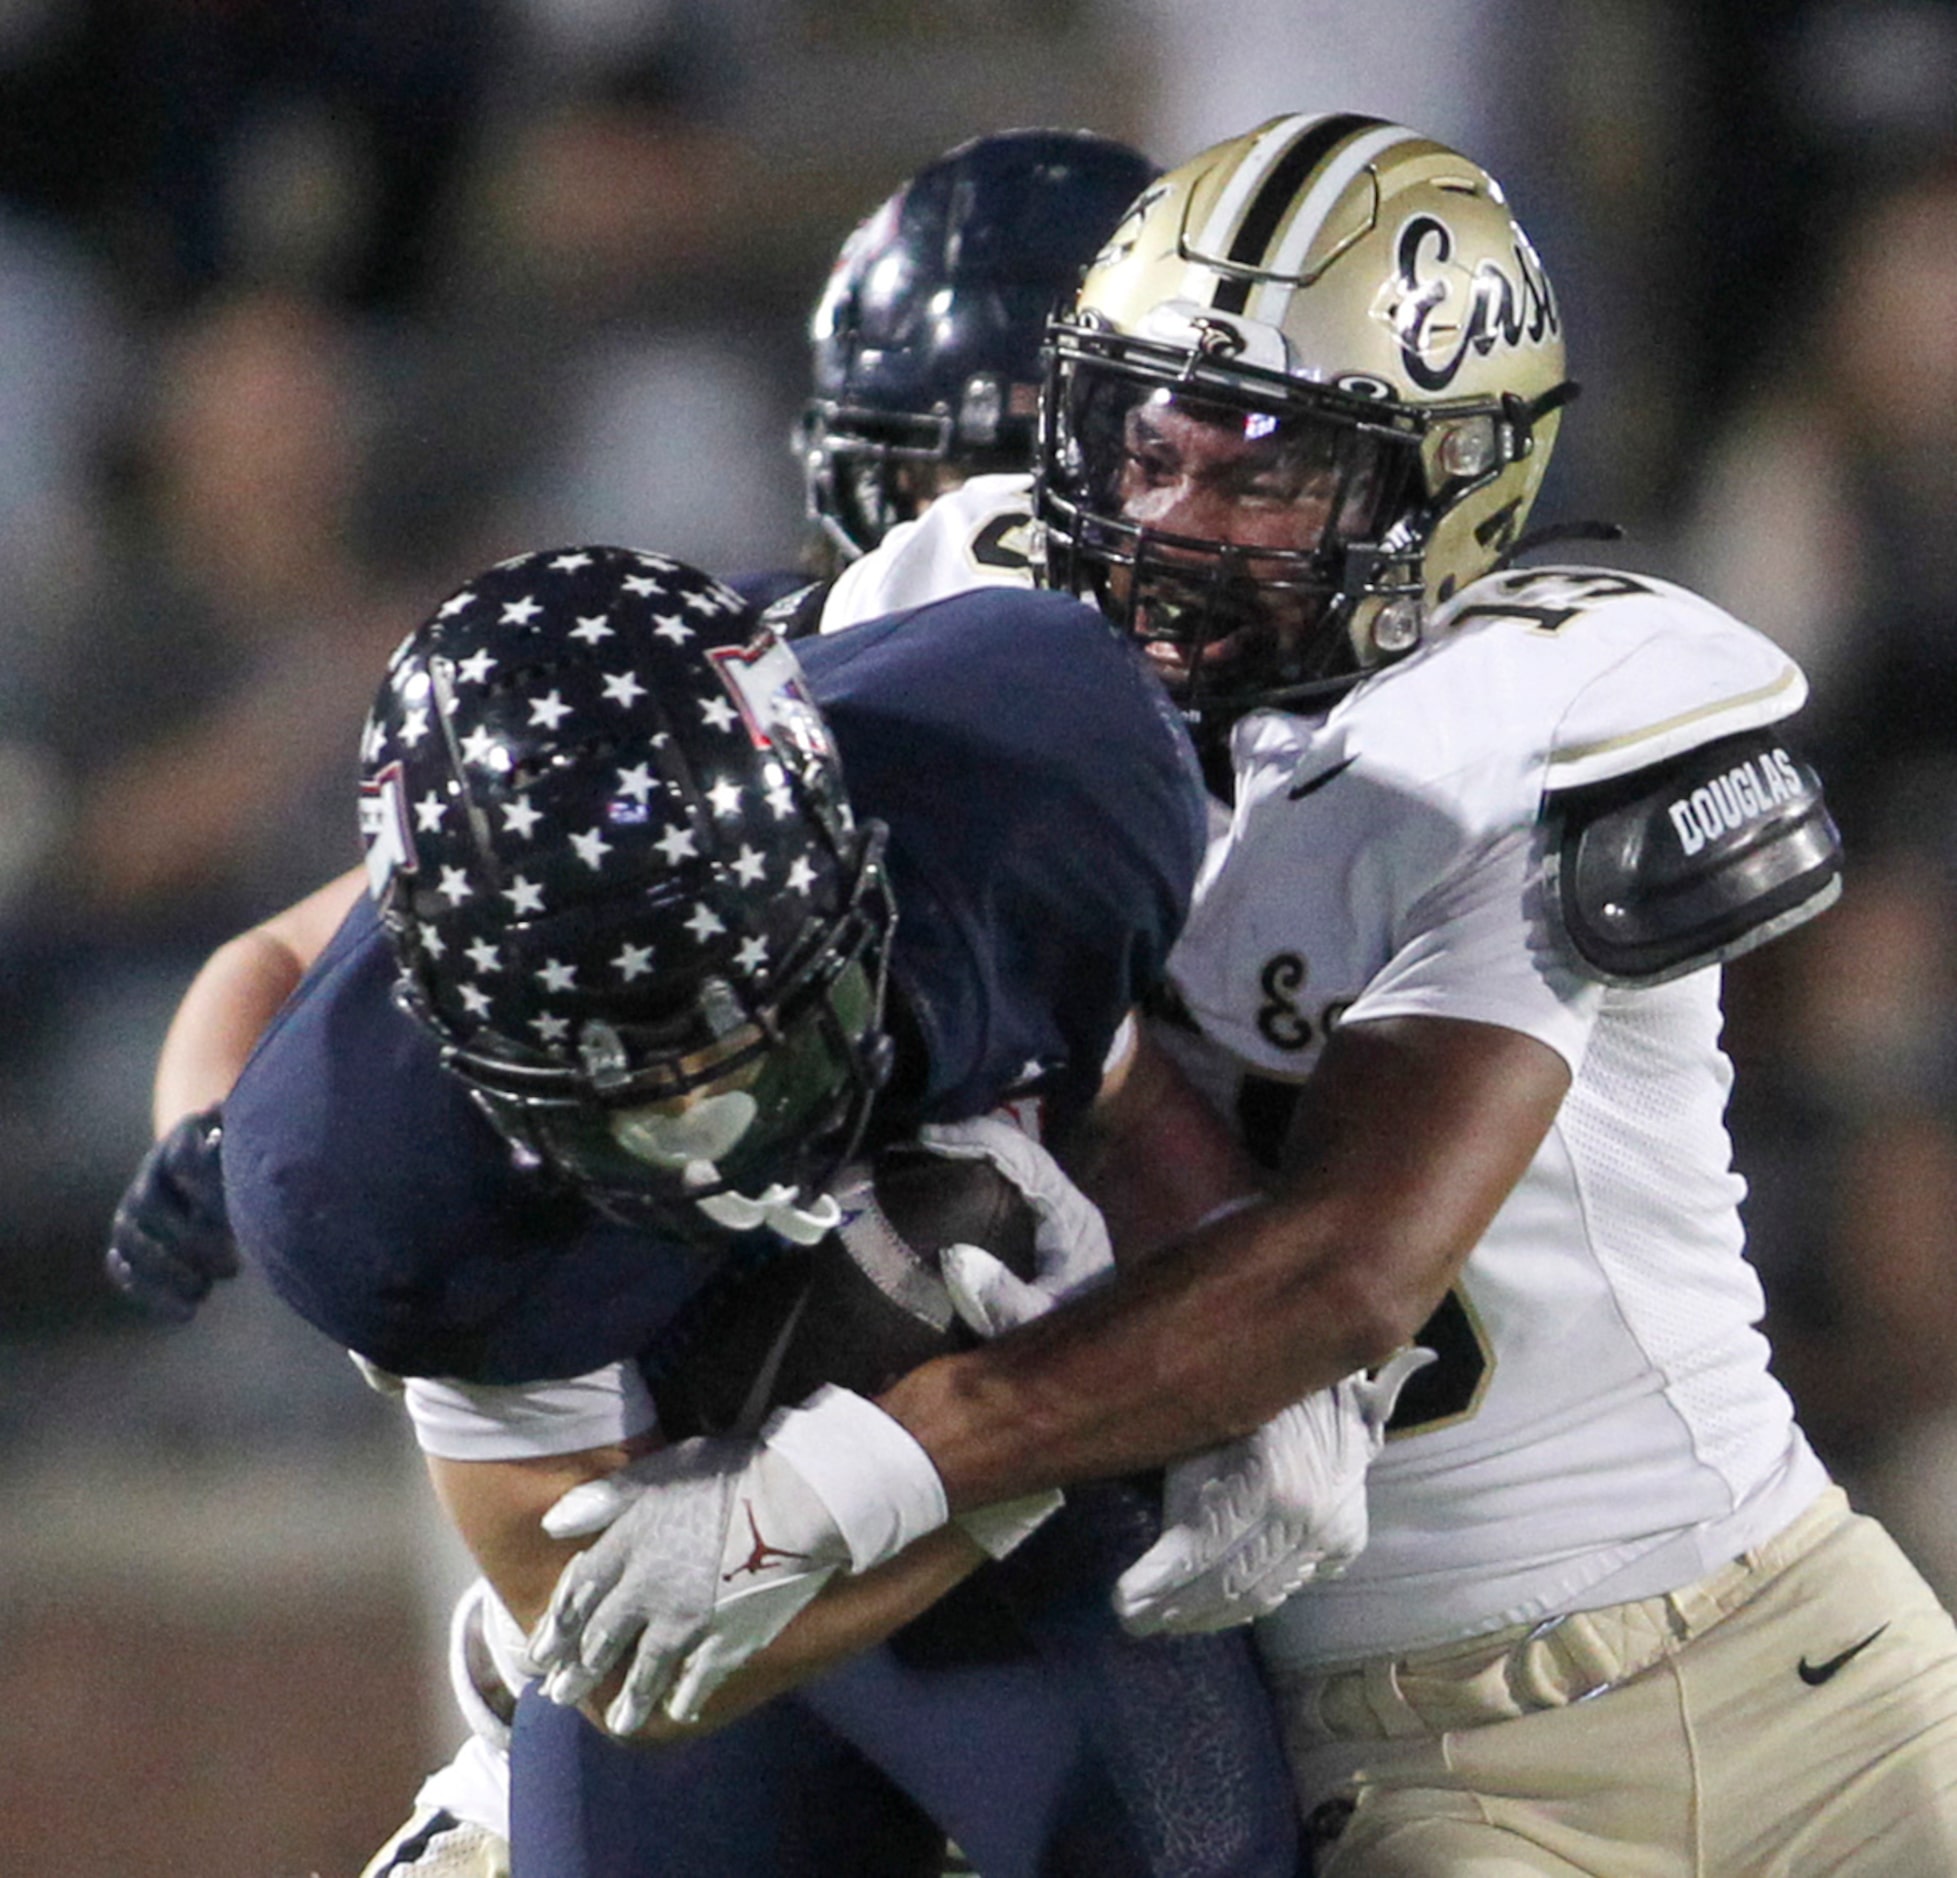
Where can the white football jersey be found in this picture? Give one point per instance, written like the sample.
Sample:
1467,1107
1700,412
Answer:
977,535
1601,1426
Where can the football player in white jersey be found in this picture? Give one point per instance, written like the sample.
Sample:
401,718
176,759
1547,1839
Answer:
1486,834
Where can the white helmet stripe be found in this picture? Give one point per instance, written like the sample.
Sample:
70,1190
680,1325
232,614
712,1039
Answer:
1272,298
1213,238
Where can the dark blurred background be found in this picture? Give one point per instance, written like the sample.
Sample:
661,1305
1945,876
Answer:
310,308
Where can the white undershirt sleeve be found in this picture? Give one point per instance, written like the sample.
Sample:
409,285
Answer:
461,1421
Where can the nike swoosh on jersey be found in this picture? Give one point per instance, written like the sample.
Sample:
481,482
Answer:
1300,790
1815,1674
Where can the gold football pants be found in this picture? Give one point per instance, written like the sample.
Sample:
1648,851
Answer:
1791,1715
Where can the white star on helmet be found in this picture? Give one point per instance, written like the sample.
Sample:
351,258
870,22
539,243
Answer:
633,962
520,818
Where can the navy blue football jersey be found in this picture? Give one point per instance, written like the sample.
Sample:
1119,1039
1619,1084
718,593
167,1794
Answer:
1046,823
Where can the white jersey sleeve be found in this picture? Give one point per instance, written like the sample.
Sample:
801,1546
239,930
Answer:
977,535
1386,858
1602,1424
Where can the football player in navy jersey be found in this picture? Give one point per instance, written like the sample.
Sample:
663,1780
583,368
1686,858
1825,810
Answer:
924,363
626,998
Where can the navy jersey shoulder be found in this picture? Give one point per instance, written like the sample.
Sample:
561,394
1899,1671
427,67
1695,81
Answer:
1047,820
384,1208
763,588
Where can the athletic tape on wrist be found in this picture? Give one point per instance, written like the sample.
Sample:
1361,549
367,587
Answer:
878,1483
1002,1528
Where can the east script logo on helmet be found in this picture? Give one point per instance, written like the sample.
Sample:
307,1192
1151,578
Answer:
1442,314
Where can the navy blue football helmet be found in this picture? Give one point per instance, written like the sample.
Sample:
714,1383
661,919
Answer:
927,336
606,829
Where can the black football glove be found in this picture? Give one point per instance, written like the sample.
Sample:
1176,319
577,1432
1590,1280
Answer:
170,1240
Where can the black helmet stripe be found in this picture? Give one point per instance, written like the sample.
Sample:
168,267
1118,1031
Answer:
1276,195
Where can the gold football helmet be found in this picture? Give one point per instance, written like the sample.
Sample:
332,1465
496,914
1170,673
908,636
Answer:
1307,390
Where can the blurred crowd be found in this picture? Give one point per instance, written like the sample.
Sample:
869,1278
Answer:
307,311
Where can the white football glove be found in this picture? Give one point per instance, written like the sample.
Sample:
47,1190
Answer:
709,1548
1248,1523
1070,1240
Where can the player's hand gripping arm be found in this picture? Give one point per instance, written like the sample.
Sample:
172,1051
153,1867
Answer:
498,1508
170,1241
1249,1523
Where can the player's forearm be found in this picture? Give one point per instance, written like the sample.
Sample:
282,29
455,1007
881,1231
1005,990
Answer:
230,1001
849,1616
1199,1345
1154,1156
1408,1138
235,995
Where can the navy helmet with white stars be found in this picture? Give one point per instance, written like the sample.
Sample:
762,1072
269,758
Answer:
606,829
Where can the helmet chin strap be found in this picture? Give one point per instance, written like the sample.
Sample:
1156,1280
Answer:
778,1207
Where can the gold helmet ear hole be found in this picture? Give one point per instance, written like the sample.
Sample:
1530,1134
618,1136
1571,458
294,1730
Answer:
1468,449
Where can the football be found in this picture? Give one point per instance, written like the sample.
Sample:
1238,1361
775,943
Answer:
857,1309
